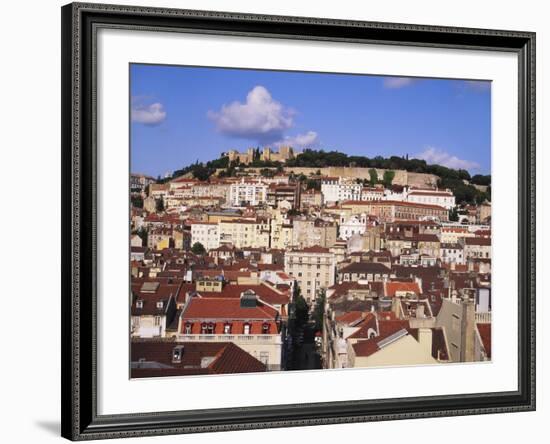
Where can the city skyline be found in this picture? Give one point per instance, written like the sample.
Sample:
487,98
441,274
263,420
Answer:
183,114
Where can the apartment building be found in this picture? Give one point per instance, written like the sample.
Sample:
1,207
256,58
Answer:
206,233
313,268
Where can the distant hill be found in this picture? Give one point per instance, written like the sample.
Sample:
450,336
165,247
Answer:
458,180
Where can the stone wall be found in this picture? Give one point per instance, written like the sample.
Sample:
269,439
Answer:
402,177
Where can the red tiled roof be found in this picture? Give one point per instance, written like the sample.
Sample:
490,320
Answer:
264,292
314,249
481,241
365,267
157,359
386,329
163,293
485,334
393,287
367,325
226,308
350,317
344,287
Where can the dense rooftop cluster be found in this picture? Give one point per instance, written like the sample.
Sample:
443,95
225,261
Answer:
264,272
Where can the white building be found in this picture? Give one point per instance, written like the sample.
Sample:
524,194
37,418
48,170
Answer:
442,198
369,194
452,254
353,224
336,189
476,247
206,233
247,193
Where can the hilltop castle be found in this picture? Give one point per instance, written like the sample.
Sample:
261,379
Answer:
266,154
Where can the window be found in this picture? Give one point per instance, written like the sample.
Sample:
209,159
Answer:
177,353
203,328
246,329
227,329
265,328
188,328
157,321
139,303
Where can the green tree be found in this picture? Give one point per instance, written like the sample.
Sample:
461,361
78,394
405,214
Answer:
159,205
198,249
319,309
313,184
373,177
136,200
388,178
266,172
142,232
453,215
201,172
480,179
301,309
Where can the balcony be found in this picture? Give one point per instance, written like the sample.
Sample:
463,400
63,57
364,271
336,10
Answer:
483,318
262,339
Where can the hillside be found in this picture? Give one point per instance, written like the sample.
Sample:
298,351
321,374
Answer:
459,181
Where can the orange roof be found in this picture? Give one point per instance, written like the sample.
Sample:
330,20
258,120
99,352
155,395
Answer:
391,288
226,308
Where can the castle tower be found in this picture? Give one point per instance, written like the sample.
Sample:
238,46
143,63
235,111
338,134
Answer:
266,153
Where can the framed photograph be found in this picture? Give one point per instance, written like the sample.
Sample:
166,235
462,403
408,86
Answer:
278,221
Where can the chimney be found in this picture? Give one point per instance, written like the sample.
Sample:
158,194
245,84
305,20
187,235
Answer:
248,299
425,340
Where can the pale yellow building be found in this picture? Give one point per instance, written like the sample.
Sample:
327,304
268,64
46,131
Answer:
243,233
281,231
401,348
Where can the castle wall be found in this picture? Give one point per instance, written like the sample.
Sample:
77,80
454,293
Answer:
402,177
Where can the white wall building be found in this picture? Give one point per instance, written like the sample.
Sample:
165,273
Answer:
353,224
206,233
247,193
336,189
370,194
442,198
452,254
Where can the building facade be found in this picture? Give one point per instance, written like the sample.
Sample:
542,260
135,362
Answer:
246,193
313,268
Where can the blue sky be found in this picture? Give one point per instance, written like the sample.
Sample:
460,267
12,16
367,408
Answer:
183,114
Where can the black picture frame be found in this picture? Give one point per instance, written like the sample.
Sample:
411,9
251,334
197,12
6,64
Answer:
80,420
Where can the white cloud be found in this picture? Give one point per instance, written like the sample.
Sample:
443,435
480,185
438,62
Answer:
260,118
152,114
440,157
309,139
398,82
